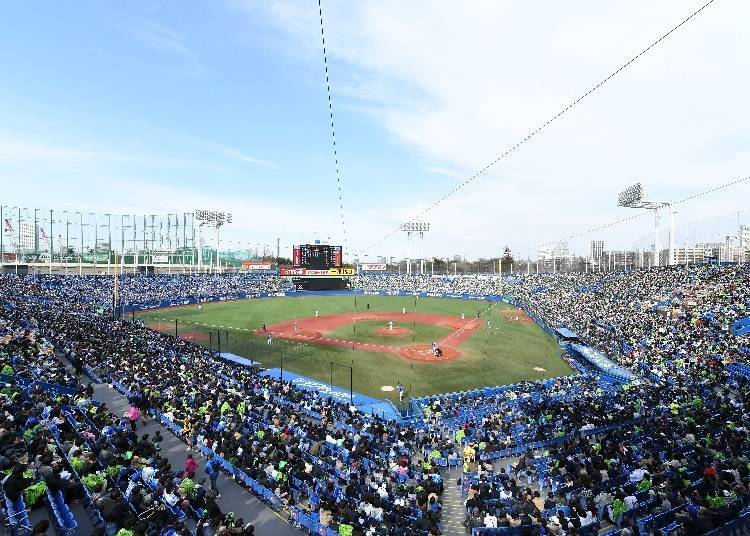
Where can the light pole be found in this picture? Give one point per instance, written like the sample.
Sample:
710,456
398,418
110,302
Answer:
135,245
409,228
80,251
216,219
635,197
49,241
109,243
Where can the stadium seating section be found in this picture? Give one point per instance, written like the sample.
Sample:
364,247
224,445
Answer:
664,453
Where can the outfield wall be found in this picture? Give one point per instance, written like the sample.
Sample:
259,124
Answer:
247,295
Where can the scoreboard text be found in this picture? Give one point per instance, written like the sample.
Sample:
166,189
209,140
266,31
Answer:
316,256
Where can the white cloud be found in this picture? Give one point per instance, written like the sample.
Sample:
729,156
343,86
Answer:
165,40
445,172
37,154
458,83
159,37
242,157
95,179
16,152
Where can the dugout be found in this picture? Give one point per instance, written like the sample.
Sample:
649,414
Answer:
566,335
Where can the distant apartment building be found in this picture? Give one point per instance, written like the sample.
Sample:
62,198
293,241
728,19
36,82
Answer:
597,249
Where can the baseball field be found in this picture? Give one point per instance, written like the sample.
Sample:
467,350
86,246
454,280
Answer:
376,341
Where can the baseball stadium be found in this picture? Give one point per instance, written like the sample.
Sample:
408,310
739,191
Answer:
374,269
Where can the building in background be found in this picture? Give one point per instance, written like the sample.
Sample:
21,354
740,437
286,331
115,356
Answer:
694,254
744,236
27,237
18,237
561,250
597,249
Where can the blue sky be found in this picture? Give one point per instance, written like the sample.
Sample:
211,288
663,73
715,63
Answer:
164,107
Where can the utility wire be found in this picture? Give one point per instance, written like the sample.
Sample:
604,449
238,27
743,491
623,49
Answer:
642,213
333,129
541,127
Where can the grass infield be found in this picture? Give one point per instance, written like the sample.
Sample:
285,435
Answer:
376,331
504,351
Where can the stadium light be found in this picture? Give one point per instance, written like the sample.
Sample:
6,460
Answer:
635,197
409,228
632,196
415,227
214,218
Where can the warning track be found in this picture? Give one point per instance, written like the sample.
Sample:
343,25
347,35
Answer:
312,330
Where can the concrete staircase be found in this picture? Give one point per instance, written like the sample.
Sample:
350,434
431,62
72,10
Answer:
453,505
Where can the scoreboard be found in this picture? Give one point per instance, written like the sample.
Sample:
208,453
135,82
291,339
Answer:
316,256
320,283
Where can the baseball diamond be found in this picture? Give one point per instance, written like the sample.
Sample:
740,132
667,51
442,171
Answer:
473,354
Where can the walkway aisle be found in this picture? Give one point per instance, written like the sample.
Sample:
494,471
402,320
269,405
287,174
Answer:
234,498
38,514
453,505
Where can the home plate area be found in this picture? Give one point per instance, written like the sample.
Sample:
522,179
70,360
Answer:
313,331
423,352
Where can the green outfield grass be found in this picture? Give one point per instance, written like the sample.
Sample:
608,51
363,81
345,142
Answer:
506,352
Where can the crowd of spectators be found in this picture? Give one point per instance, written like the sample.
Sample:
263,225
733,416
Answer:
670,447
662,321
673,328
683,460
99,289
465,284
659,321
354,470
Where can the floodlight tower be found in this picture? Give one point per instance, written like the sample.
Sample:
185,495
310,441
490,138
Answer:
216,219
409,228
635,197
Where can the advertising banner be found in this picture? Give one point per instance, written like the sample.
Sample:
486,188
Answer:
307,272
256,265
372,267
340,271
301,272
160,259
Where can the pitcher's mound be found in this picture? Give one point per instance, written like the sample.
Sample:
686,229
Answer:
395,332
304,334
423,352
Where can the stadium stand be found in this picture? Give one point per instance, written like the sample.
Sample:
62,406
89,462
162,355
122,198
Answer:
663,453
